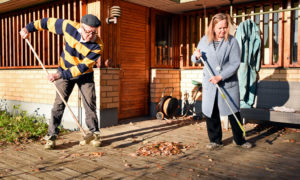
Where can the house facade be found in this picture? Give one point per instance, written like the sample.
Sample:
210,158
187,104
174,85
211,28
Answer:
147,48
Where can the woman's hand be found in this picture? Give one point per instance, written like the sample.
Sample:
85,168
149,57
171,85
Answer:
215,79
197,53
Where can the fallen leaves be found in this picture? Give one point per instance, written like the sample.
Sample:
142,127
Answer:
127,165
289,140
159,166
96,154
292,140
75,155
35,170
162,149
269,169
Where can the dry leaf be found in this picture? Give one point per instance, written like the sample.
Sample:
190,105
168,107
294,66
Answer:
96,154
279,155
191,170
8,170
159,166
268,169
63,157
133,154
40,158
75,155
292,140
210,160
127,165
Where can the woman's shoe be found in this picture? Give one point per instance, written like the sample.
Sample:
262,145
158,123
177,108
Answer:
212,146
246,145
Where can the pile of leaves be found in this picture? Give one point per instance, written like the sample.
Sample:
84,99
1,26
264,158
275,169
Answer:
162,149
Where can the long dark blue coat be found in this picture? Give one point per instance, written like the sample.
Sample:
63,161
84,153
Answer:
224,61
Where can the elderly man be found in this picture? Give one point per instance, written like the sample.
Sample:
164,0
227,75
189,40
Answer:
82,48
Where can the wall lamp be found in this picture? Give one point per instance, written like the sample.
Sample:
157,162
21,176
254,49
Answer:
112,14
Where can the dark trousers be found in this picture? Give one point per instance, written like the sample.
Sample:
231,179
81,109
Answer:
87,88
214,128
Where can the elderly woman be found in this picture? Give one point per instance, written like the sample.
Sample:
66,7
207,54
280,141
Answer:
222,55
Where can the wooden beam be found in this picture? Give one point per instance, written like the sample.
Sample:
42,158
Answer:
271,38
6,43
287,37
298,38
2,42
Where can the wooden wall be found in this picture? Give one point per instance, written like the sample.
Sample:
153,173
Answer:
15,53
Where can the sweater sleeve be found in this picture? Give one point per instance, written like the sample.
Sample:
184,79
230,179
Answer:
193,57
54,25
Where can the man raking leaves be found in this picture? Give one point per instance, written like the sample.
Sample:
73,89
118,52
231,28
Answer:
81,50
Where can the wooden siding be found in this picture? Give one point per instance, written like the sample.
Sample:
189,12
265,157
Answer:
134,60
19,4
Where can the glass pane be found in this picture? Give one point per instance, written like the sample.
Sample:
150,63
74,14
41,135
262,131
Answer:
239,20
197,29
266,35
257,17
294,33
192,21
248,11
163,39
275,34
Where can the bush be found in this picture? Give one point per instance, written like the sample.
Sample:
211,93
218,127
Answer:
19,127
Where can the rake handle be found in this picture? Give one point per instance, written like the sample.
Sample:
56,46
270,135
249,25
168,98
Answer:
58,92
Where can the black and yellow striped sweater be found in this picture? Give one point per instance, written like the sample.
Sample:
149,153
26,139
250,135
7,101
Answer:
77,57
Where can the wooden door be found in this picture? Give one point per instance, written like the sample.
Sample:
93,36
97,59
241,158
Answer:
134,60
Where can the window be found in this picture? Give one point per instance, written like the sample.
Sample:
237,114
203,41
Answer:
275,37
257,17
266,46
164,40
294,41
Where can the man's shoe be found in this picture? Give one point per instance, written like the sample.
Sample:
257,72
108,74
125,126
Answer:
50,142
87,139
212,146
92,138
96,142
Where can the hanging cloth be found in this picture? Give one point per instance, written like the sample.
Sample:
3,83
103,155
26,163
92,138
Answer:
248,37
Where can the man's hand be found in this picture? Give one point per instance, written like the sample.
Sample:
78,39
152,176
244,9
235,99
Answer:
24,33
53,77
215,79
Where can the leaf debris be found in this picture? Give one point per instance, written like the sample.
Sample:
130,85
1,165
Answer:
162,149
